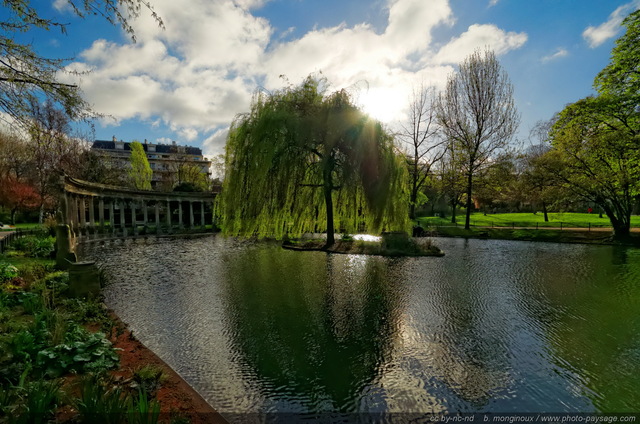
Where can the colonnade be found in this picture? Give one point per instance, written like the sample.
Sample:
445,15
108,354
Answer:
95,209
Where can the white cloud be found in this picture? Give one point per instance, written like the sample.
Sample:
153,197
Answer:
480,36
493,2
560,52
214,144
597,35
62,5
198,73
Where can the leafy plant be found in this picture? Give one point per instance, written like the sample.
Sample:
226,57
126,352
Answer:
33,271
35,246
149,378
101,400
143,410
55,322
7,272
90,311
25,345
52,287
32,303
39,402
82,352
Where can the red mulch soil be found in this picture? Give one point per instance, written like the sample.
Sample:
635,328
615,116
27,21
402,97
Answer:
176,396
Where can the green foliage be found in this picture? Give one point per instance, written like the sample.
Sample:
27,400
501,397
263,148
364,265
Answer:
140,172
32,271
81,352
90,311
621,77
35,246
31,302
39,402
25,345
143,410
27,78
595,142
101,400
149,378
299,157
596,139
7,272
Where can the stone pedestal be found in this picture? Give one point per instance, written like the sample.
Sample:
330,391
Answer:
84,279
65,247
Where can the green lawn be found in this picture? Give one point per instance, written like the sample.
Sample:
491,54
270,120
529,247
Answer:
23,226
556,220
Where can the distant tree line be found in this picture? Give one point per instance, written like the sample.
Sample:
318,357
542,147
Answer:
587,156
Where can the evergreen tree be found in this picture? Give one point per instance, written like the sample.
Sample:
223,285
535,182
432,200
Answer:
140,172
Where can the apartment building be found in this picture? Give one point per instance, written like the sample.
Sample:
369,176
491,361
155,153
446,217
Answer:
170,163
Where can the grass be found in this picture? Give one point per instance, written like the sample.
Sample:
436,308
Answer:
548,235
23,226
506,220
543,234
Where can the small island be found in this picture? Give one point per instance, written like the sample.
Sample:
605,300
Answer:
389,244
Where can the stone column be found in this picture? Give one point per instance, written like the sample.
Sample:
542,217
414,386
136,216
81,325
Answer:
83,213
168,216
146,213
112,218
92,214
123,224
192,222
134,224
73,213
180,225
157,217
101,214
66,219
202,222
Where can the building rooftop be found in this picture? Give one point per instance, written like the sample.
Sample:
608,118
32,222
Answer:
159,148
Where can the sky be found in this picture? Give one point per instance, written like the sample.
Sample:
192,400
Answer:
188,81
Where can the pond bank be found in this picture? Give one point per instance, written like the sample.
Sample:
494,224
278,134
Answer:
176,396
567,235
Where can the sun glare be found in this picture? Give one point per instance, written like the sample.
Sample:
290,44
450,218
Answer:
381,104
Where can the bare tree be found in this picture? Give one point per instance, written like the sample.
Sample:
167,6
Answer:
421,134
478,114
451,181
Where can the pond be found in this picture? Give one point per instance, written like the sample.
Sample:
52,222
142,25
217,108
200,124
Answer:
494,326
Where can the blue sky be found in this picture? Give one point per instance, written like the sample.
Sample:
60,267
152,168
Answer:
188,81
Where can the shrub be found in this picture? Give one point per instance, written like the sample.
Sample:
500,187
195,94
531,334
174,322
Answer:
82,352
7,272
33,271
35,246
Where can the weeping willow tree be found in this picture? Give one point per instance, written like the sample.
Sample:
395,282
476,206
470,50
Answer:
302,161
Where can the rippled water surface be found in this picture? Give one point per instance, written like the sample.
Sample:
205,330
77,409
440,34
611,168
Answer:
495,326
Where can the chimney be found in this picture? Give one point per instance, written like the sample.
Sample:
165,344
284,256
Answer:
114,138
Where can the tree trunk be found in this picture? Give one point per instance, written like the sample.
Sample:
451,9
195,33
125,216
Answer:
453,210
412,204
621,224
327,174
544,210
467,220
13,216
